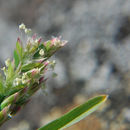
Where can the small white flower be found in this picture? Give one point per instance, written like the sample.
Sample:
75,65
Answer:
41,52
7,62
64,42
27,31
24,76
53,62
36,41
22,26
17,81
24,81
3,69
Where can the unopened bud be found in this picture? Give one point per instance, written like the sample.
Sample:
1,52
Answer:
24,81
41,52
22,26
24,76
7,62
3,69
47,62
27,31
17,81
34,72
53,63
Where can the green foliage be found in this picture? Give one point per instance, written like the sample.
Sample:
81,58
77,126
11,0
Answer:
25,74
76,114
16,58
30,66
19,48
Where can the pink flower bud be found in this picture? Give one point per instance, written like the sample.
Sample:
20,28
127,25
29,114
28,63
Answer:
46,63
35,72
41,80
34,36
39,40
18,40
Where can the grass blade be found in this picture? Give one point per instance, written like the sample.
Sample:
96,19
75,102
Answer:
76,114
16,58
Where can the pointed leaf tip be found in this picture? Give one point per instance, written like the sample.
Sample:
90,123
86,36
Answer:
18,40
105,97
76,114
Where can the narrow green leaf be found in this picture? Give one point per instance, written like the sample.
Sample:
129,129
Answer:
48,44
2,86
76,114
16,58
8,101
10,72
13,98
19,48
30,66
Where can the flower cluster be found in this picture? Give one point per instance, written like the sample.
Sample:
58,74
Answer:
25,74
23,27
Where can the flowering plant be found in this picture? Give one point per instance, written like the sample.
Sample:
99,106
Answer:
25,74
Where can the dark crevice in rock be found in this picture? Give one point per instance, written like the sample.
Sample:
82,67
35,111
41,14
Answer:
53,31
101,55
123,30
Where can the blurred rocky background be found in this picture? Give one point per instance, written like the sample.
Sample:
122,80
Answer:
95,61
